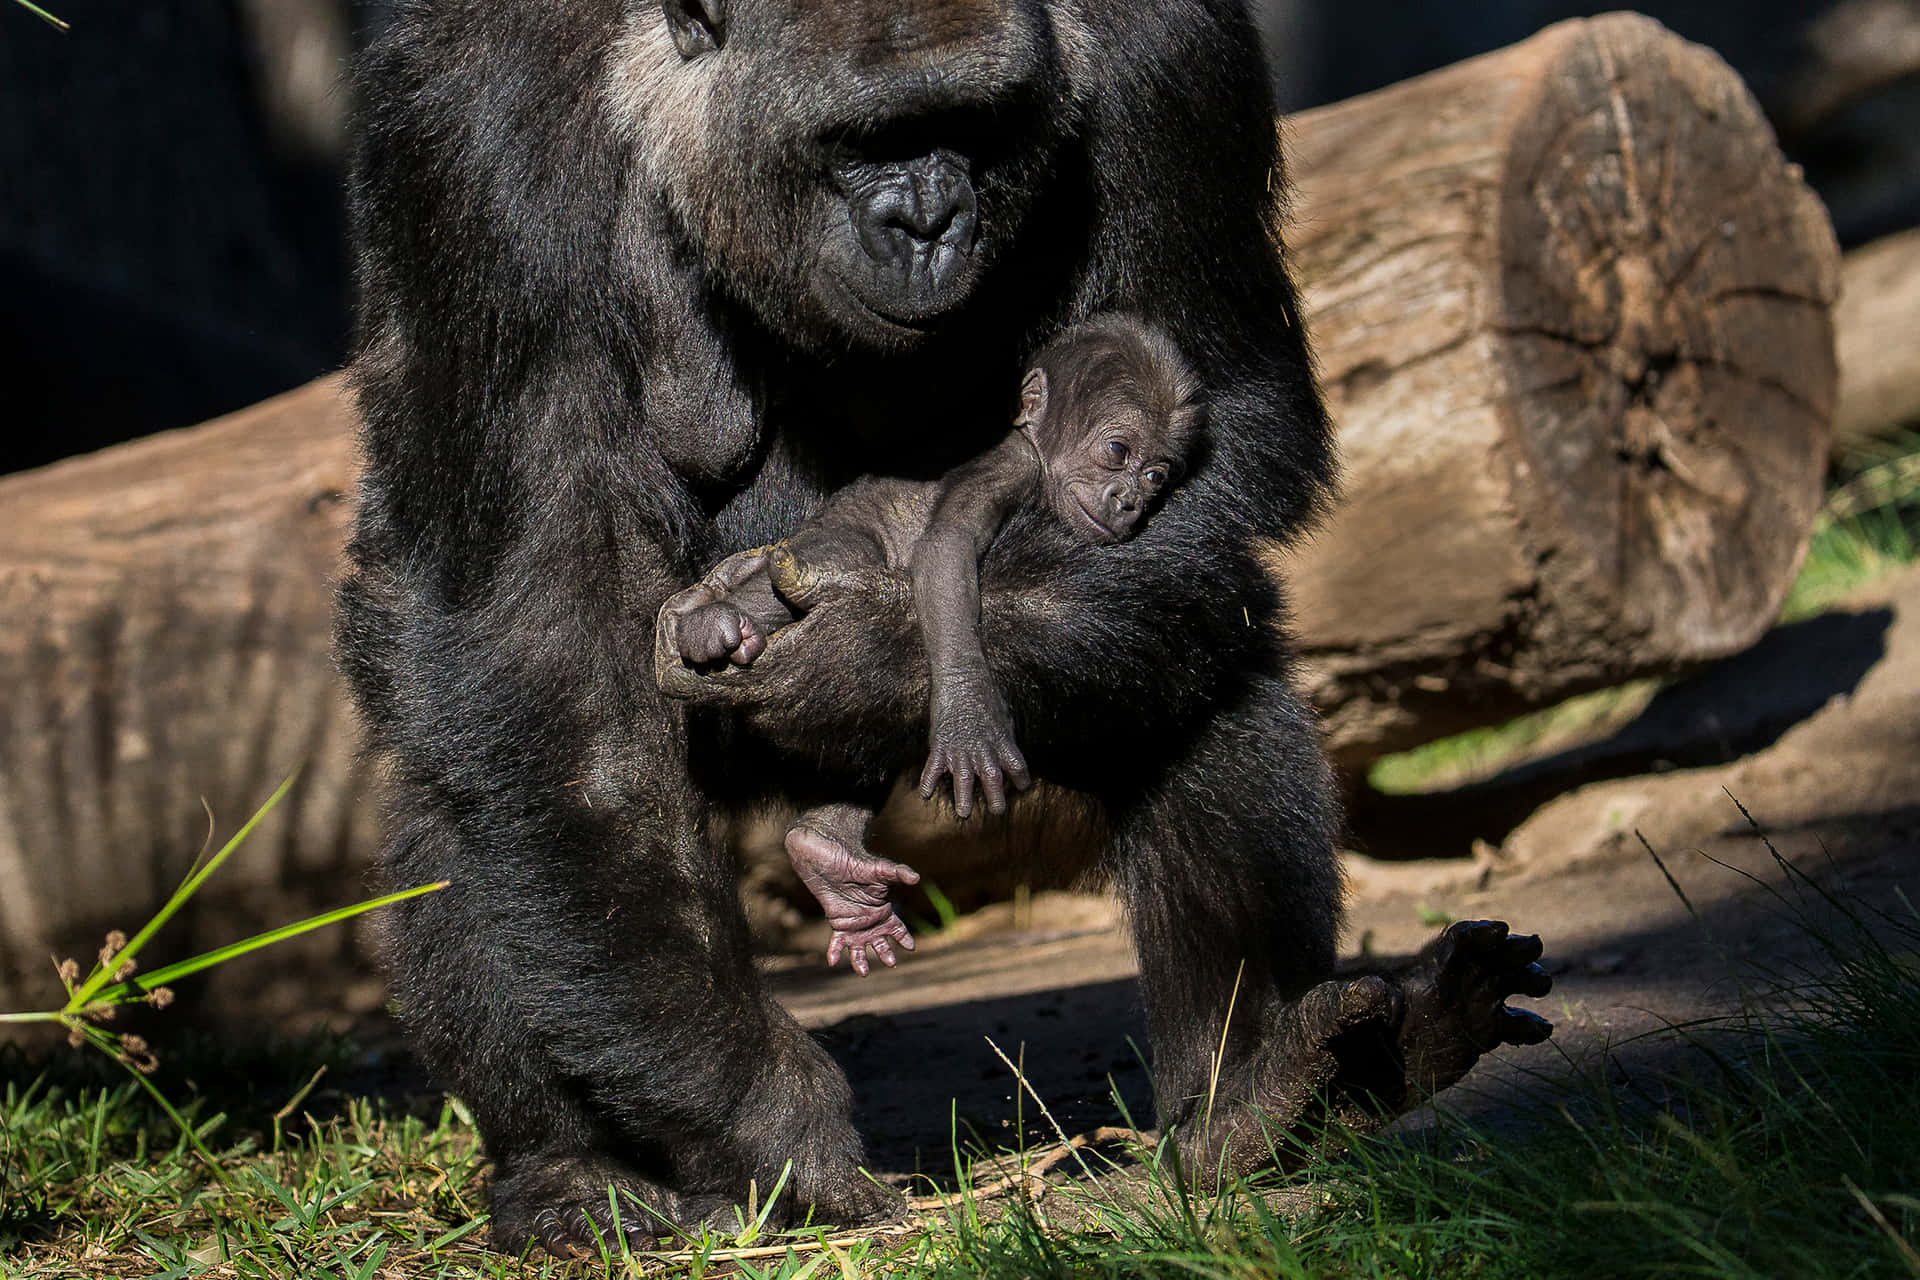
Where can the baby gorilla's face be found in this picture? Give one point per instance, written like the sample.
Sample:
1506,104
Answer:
1114,411
1105,471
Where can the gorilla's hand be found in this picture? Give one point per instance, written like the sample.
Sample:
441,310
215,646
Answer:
847,671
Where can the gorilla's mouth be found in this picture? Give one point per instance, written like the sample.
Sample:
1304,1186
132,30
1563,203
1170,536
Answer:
908,244
1098,531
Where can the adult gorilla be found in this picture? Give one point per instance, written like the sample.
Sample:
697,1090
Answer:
641,282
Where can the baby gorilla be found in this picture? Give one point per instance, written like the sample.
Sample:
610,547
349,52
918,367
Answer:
1109,413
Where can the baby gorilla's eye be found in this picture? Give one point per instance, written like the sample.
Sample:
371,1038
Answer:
1154,476
1116,453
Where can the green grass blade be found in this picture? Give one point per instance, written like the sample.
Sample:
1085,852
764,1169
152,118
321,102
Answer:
59,24
90,990
220,955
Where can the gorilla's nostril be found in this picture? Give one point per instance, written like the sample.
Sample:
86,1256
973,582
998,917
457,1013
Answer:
932,203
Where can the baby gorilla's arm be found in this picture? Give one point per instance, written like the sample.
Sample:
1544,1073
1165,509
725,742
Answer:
970,729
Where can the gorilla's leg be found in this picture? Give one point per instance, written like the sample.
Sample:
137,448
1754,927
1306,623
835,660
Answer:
584,983
1227,868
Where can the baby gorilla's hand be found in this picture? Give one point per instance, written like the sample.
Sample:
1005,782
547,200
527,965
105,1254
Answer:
972,737
852,886
718,630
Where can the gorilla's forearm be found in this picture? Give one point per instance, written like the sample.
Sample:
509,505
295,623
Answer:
1076,637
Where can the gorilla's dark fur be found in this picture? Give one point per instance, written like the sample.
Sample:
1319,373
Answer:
641,282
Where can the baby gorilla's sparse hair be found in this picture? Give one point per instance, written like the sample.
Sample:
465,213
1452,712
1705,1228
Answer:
1115,412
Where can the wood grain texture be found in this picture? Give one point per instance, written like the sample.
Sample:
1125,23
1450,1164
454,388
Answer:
1574,316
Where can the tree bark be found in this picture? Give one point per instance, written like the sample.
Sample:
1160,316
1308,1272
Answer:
164,639
1573,315
1572,311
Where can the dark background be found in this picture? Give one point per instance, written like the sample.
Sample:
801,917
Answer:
172,231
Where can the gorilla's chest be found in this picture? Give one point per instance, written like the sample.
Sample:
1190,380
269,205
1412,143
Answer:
912,421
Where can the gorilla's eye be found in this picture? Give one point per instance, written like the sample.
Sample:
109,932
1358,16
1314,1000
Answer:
1154,476
698,26
1116,453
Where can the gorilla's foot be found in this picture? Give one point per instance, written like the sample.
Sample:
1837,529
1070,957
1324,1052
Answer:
1360,1050
849,1199
565,1206
1455,994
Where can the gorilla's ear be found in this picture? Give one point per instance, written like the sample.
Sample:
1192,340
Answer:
1033,398
698,26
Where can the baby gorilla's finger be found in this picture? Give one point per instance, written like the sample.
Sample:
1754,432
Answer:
962,789
1015,766
752,644
994,784
884,950
858,959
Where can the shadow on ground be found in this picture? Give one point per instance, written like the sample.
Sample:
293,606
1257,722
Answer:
1733,709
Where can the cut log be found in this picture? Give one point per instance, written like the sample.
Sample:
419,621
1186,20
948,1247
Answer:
166,617
1573,315
1876,325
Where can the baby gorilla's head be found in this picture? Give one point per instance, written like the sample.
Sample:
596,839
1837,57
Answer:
1114,412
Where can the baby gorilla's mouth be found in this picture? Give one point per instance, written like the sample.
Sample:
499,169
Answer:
911,231
1099,531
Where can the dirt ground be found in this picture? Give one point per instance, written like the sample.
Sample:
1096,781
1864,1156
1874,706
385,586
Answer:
1829,719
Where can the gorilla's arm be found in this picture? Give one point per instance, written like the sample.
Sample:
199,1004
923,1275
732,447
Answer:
1089,644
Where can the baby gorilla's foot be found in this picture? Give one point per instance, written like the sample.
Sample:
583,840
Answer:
853,887
564,1205
717,631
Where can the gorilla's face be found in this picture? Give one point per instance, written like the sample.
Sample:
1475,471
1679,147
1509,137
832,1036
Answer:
847,168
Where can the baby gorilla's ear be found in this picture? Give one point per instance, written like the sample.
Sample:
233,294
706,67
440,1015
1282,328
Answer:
1033,398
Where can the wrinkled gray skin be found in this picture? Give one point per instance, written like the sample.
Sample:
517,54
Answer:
1109,417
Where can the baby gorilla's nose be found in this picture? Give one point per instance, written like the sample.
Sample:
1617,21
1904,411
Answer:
1123,498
